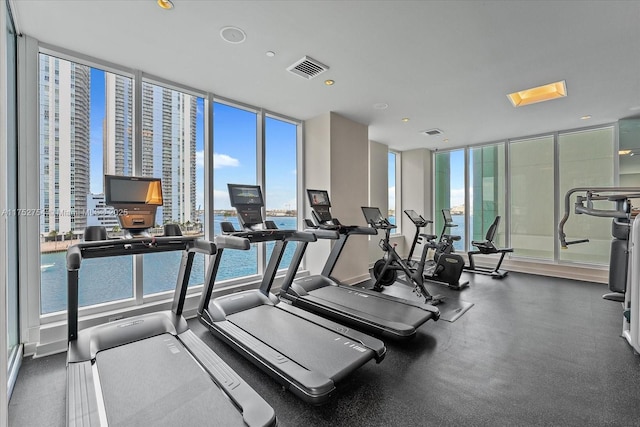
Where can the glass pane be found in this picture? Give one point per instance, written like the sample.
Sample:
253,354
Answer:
586,159
172,149
234,162
281,182
450,194
12,190
532,197
487,191
391,190
83,111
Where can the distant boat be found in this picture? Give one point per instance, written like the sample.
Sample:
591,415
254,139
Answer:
46,267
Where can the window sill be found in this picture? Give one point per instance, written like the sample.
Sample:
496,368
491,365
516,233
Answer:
53,334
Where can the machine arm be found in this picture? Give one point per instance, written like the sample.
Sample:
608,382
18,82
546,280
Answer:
584,205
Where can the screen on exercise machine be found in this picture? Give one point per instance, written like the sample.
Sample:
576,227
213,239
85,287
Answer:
319,201
132,190
414,216
318,198
134,199
372,215
245,195
446,213
248,201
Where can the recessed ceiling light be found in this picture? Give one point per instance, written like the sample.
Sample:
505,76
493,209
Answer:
271,54
381,106
405,119
538,94
233,35
587,117
329,82
445,140
624,152
165,4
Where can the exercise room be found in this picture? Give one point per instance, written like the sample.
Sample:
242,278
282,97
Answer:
321,213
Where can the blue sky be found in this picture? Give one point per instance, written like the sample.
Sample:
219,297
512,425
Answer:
234,151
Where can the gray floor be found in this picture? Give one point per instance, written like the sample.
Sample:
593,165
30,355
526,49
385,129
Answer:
532,351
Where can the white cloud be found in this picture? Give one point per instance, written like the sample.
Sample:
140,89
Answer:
392,197
223,160
219,160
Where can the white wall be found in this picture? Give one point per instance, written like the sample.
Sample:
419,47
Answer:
3,225
336,160
416,194
378,191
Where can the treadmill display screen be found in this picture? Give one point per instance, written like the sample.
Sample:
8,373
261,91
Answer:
372,215
318,198
245,195
132,190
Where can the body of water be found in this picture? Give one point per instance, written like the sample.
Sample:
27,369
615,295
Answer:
109,279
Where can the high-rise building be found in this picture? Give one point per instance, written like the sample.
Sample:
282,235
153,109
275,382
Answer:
168,142
117,128
64,144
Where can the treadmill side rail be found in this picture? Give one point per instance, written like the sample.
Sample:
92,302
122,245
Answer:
255,411
82,404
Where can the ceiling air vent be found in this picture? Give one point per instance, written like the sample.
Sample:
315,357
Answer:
432,132
308,68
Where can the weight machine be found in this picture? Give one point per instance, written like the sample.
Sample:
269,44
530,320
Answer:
624,261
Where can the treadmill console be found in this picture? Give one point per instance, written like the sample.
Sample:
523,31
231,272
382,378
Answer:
248,201
320,204
135,200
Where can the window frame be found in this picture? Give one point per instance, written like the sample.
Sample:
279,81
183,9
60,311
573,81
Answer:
558,198
139,301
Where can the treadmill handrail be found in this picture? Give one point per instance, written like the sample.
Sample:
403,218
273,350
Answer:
117,247
189,245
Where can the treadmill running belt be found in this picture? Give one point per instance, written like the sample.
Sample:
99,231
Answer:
318,349
156,382
368,305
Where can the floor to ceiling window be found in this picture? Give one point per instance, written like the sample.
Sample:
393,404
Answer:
540,171
87,129
450,194
11,220
586,158
531,165
281,178
172,123
86,126
487,191
393,161
235,162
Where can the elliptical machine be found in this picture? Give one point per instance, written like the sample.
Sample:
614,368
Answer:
624,258
445,267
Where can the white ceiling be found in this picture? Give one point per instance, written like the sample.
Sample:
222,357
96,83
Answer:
443,64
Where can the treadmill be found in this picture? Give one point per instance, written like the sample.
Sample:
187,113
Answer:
363,309
306,353
149,369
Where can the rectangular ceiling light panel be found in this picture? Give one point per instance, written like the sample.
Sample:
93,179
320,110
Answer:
538,94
